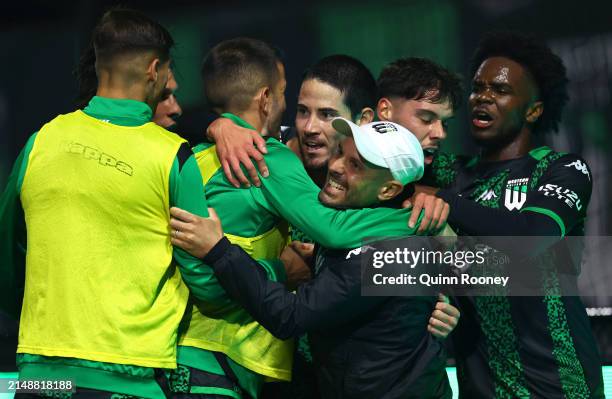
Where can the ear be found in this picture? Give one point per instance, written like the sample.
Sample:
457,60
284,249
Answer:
534,112
153,69
390,190
384,109
264,99
365,116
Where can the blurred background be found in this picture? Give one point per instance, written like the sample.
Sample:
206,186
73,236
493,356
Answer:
41,43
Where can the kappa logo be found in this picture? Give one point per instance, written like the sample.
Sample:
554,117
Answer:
359,251
100,157
487,196
516,193
580,166
384,127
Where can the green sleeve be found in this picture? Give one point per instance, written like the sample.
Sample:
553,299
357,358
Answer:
290,193
13,236
187,192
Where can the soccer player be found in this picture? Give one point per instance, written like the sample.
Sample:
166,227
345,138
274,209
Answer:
168,110
337,85
340,85
363,346
420,95
521,346
223,349
90,195
166,113
413,92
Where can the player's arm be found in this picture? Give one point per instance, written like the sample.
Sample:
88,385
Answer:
238,146
494,222
291,194
13,236
197,232
553,207
187,192
562,194
331,299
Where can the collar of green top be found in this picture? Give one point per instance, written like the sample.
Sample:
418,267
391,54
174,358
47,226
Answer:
237,120
540,152
104,107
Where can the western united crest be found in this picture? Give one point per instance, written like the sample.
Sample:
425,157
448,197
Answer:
516,193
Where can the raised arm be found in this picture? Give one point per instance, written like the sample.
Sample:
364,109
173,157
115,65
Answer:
292,195
332,298
237,148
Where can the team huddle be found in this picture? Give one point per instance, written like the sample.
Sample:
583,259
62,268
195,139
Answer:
142,266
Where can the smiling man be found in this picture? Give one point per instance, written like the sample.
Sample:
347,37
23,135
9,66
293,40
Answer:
416,93
363,346
223,349
521,346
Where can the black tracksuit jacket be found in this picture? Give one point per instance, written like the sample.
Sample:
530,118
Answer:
363,346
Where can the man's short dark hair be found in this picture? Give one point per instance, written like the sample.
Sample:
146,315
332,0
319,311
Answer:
123,31
420,79
350,76
545,67
234,70
86,77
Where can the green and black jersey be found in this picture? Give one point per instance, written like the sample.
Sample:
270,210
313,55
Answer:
527,347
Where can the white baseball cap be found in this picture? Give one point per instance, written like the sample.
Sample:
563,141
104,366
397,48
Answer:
388,145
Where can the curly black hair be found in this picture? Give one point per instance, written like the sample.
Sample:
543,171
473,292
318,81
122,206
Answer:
416,78
546,68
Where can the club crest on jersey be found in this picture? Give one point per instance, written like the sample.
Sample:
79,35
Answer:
516,193
384,127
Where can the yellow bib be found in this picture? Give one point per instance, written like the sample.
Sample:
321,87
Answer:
233,331
100,283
